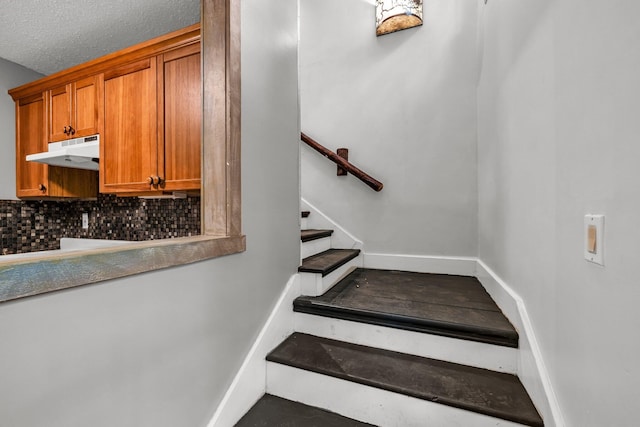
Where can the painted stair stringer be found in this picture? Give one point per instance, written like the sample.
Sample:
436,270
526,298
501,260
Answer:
532,369
341,238
249,383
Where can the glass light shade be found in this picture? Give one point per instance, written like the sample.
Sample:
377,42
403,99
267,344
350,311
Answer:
396,15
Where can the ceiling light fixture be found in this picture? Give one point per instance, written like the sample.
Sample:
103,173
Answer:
396,15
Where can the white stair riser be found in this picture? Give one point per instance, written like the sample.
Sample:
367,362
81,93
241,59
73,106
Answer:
314,247
369,404
313,284
481,355
304,223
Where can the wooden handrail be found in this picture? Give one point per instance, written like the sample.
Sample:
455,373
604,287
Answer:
344,164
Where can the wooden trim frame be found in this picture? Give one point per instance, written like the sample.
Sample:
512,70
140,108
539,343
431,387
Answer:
221,192
221,118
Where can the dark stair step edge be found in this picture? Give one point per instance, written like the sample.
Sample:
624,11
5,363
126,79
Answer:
327,261
332,304
478,333
305,214
313,234
478,390
272,411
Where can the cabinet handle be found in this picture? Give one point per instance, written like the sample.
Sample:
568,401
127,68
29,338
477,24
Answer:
66,132
153,180
72,131
42,188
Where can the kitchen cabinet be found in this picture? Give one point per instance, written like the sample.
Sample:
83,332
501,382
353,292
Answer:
30,138
152,134
74,109
35,180
128,150
180,116
145,102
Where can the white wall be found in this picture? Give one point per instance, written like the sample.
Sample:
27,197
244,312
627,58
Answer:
559,100
160,349
405,106
11,75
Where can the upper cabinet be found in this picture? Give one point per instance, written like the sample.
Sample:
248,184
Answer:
153,120
128,150
144,101
180,114
74,109
30,138
35,180
152,129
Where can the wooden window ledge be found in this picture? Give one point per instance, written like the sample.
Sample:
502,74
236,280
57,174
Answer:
37,275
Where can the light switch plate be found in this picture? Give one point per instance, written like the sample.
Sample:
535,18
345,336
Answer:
591,222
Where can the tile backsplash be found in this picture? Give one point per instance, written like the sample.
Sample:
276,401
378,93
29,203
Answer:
29,226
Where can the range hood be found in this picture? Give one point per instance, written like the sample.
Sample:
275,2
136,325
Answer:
80,153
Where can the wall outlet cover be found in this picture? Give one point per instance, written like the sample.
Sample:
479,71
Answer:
593,245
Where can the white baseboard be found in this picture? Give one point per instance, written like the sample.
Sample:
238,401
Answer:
249,383
532,370
421,263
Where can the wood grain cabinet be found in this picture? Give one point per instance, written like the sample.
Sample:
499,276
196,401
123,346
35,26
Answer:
75,109
180,118
145,102
128,150
35,180
152,132
31,178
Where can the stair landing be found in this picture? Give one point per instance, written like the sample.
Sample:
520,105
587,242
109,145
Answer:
447,305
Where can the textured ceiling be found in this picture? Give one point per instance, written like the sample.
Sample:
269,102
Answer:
51,35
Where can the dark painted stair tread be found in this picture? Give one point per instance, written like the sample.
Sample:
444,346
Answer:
479,390
305,214
272,411
328,261
312,234
448,305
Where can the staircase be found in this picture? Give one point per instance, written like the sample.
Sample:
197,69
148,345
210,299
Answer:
390,348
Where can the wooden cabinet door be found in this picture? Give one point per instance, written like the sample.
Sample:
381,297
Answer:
31,178
180,115
87,106
74,106
128,149
59,113
36,180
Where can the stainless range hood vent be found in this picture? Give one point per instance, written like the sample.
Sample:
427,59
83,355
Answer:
80,153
